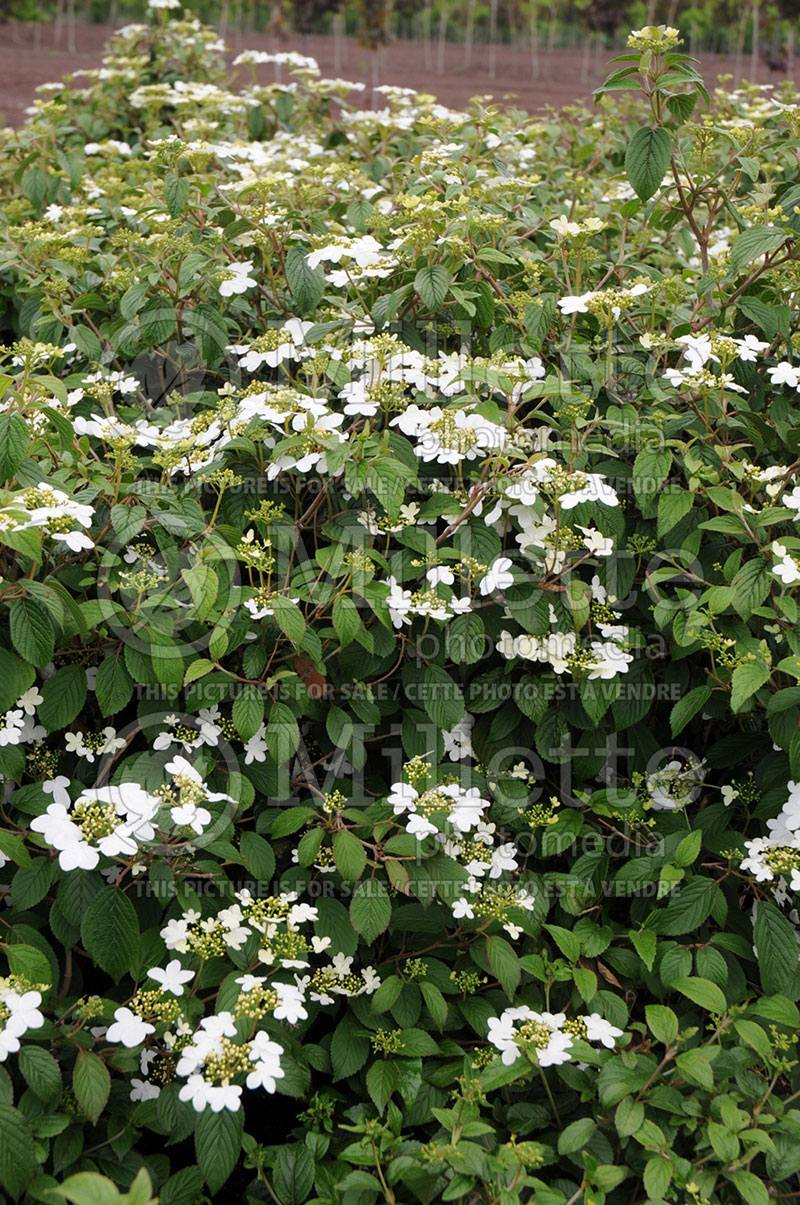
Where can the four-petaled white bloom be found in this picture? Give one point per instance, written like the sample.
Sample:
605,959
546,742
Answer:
171,977
128,1028
239,280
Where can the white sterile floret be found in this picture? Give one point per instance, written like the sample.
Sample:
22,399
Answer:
128,1029
239,279
172,977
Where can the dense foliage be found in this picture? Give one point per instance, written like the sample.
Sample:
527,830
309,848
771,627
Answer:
399,663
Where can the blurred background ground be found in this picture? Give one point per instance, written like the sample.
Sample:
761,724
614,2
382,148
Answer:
35,54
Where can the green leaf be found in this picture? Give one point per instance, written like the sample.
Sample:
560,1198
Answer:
662,1023
644,943
41,1071
673,505
113,685
370,909
688,907
91,1083
14,848
750,587
349,1048
89,1188
504,964
687,708
567,942
443,699
776,947
209,330
752,1033
248,711
203,586
157,322
725,1144
681,105
16,677
746,680
751,1188
32,632
110,931
433,283
435,1001
293,1175
14,440
176,194
258,856
217,1143
689,848
650,470
346,619
127,521
63,696
647,159
702,992
29,963
629,1116
31,884
753,243
576,1135
657,1177
387,994
289,618
381,1083
282,733
349,855
306,284
17,1152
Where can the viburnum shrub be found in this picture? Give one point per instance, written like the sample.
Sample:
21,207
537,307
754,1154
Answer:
399,667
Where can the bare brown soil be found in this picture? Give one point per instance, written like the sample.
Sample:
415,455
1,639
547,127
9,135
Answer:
32,55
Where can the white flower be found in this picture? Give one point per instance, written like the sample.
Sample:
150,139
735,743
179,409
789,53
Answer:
341,964
575,305
728,795
698,349
266,1055
784,374
461,908
594,489
189,815
749,347
290,1004
420,827
597,544
540,1034
497,576
600,1030
503,858
564,228
256,748
176,932
24,1012
458,741
77,541
30,700
59,788
172,977
144,1089
240,279
788,570
128,1028
201,1093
